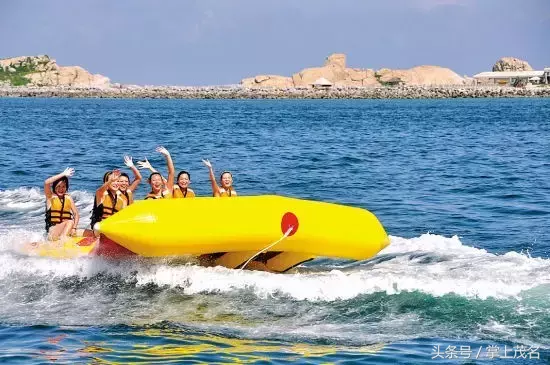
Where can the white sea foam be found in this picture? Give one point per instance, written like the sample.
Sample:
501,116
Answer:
21,199
431,264
31,203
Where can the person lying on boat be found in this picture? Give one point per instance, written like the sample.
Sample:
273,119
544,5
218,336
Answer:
61,213
160,188
226,182
108,199
127,189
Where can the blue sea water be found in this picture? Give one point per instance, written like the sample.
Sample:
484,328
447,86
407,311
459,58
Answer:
461,186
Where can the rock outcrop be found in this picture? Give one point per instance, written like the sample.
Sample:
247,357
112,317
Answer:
70,76
511,64
260,81
44,71
420,75
29,64
336,71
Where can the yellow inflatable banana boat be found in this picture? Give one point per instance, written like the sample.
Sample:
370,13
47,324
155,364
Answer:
73,247
229,232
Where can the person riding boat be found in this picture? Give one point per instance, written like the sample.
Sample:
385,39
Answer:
182,189
61,213
108,199
160,188
127,190
226,181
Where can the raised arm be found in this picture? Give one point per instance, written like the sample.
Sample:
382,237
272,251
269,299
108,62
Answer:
147,165
69,171
169,182
103,188
137,175
215,187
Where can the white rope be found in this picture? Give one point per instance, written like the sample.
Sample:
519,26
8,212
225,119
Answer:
268,247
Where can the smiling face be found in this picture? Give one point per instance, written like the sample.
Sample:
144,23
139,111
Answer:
226,180
60,188
156,183
123,183
183,181
113,186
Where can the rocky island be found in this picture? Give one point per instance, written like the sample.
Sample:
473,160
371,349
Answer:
40,76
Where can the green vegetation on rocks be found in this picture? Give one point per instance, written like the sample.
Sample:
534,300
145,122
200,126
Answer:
16,78
14,73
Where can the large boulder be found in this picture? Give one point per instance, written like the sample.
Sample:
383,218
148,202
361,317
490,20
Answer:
273,81
68,76
335,71
337,60
420,75
511,64
29,63
308,76
44,71
371,79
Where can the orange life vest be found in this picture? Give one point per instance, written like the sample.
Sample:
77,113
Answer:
59,211
152,195
179,193
128,196
110,205
227,193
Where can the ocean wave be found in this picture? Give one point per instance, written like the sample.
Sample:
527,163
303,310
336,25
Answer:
26,205
431,264
21,199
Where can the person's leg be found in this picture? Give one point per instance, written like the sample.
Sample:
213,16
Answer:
60,230
67,229
55,231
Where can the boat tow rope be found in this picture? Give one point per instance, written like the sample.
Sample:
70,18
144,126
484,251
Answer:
287,233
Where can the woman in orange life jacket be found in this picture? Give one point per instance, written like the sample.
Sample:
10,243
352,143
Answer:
226,181
160,188
108,199
182,189
61,214
127,190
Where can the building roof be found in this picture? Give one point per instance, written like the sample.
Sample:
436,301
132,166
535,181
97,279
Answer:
322,82
508,74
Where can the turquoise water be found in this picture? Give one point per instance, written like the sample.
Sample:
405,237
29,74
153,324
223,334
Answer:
461,186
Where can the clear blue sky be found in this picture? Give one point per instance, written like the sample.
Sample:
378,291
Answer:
213,42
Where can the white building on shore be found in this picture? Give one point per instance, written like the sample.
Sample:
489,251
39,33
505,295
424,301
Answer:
514,78
322,83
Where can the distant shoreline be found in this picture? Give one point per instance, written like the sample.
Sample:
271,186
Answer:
236,92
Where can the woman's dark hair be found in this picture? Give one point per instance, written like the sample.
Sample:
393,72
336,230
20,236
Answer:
225,172
183,172
106,176
64,178
125,175
153,174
